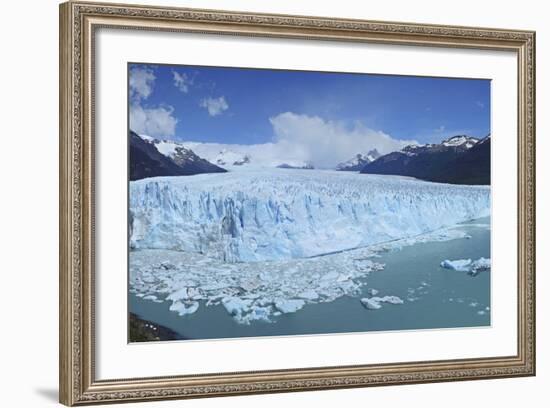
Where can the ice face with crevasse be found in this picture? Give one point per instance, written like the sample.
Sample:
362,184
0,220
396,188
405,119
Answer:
281,214
269,242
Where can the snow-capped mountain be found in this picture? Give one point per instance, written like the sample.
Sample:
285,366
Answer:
234,156
486,139
226,157
359,161
461,140
150,157
240,162
444,162
307,166
458,143
266,215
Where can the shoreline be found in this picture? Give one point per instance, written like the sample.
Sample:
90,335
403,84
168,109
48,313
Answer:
141,330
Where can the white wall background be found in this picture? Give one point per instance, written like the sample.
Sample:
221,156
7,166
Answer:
28,204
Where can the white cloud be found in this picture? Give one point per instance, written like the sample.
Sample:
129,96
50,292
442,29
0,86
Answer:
215,106
302,139
326,143
157,122
480,104
440,129
182,81
142,81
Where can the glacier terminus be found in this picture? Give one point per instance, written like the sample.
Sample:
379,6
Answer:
262,243
282,214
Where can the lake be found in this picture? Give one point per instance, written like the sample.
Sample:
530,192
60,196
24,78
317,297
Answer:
433,297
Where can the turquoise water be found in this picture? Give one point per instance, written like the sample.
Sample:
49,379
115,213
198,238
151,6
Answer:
433,298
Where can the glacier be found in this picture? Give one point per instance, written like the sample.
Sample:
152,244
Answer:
285,214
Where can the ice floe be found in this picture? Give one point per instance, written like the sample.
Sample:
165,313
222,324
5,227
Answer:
467,265
289,305
236,306
248,291
184,308
482,264
373,303
461,265
308,295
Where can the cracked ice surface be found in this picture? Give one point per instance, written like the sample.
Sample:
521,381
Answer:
281,214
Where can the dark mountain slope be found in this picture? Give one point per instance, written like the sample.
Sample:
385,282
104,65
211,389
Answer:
147,161
458,160
472,167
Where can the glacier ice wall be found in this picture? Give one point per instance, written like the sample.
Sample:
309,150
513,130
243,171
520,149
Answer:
276,214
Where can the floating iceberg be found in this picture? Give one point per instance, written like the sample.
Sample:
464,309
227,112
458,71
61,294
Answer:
482,264
236,306
460,265
289,305
308,295
248,291
373,303
150,297
184,308
275,214
467,265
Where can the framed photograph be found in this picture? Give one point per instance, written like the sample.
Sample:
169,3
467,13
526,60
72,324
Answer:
256,203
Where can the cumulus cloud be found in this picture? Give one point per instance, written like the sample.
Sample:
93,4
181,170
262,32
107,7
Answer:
157,121
326,143
182,81
302,139
142,81
214,106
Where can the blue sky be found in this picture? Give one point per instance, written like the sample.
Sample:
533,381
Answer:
253,106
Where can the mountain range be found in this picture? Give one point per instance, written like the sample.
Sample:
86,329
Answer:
458,160
256,155
146,160
359,161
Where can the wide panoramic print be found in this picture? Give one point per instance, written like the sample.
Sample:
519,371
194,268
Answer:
273,202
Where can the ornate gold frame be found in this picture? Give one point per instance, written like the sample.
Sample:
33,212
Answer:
78,22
